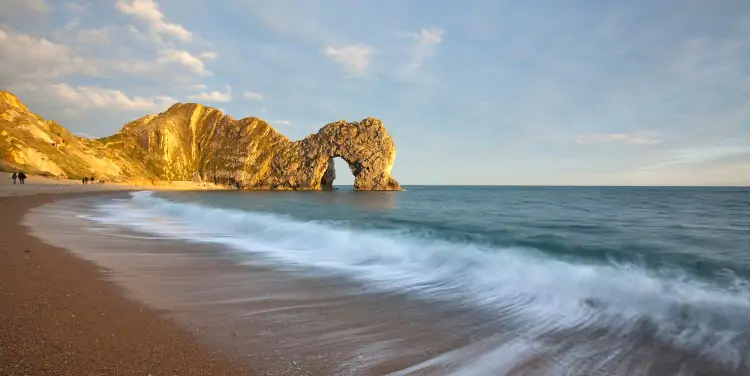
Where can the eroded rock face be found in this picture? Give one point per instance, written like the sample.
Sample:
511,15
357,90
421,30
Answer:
251,154
194,142
366,147
34,145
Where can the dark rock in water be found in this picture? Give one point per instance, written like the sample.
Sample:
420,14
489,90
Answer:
191,142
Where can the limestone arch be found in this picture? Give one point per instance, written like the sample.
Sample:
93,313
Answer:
333,172
365,146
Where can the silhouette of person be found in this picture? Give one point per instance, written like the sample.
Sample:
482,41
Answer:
21,177
14,177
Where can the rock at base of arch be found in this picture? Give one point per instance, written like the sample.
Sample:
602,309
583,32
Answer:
327,180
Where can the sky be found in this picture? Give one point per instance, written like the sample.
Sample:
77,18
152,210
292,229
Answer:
487,92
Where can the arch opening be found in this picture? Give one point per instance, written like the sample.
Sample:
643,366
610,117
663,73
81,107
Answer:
336,177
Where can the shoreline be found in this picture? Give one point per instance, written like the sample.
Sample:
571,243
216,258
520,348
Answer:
44,185
277,320
59,315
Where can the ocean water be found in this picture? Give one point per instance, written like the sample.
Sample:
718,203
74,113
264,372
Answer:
591,276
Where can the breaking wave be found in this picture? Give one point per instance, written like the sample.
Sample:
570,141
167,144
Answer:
539,294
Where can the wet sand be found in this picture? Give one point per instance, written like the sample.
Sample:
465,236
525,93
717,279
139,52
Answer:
60,316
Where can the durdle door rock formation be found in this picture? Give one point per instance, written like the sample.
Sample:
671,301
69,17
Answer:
192,142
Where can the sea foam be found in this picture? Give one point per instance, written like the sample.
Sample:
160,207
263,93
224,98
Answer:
536,292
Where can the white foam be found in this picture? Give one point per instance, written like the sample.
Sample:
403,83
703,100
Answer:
539,292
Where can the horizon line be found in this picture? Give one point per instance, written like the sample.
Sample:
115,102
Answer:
566,185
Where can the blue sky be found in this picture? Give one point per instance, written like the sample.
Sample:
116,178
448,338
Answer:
473,92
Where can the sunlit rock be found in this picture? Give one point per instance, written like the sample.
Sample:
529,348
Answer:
191,142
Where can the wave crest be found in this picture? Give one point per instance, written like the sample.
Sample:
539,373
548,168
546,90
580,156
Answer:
532,289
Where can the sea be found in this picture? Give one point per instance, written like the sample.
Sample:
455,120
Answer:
437,280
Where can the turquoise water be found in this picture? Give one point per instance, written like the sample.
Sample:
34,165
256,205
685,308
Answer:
671,263
702,230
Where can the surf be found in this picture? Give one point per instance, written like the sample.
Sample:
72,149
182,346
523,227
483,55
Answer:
528,289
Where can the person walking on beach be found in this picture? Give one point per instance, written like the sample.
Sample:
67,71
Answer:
21,177
14,176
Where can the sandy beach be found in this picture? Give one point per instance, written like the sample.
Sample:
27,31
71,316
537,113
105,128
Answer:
106,299
39,184
286,319
277,322
59,316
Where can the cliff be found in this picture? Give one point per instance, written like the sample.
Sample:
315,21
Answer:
38,146
194,142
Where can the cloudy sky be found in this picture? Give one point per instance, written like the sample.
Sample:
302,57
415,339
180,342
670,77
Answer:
474,92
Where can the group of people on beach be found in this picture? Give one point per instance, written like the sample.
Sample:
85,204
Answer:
91,180
20,176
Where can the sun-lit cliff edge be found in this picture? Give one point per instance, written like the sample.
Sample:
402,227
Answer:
190,141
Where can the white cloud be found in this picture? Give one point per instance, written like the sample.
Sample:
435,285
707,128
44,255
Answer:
197,87
94,97
703,154
425,42
282,122
75,7
631,138
72,24
138,34
354,58
30,58
148,11
33,5
208,55
166,68
93,36
137,67
213,96
185,59
253,96
430,37
84,36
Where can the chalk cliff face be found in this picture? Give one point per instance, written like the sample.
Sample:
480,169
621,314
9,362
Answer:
194,142
35,145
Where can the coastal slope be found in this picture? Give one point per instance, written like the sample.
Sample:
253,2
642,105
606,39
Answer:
35,145
190,141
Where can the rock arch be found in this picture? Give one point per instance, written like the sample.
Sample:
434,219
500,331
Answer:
308,164
190,141
366,146
330,174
